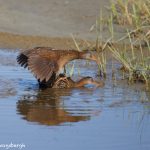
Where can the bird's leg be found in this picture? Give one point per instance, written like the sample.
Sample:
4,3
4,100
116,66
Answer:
65,70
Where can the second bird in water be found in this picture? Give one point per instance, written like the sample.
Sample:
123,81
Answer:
66,82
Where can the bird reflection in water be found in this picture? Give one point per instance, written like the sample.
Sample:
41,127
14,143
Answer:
47,108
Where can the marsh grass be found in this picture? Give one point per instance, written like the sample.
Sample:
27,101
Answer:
131,12
99,46
136,67
134,15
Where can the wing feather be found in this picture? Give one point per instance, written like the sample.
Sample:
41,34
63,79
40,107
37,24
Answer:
22,60
41,67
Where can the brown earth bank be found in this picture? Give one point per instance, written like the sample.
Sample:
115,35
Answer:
14,41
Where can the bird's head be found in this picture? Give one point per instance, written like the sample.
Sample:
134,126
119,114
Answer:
90,80
90,55
86,80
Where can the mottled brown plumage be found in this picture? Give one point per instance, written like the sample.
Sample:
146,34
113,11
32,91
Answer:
66,82
45,63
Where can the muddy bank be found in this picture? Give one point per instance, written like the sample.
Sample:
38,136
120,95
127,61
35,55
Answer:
14,41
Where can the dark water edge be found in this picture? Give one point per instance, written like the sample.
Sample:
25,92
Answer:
115,116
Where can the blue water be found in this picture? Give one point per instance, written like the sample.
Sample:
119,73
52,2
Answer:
114,117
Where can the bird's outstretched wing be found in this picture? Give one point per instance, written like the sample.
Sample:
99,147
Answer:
22,58
42,67
41,61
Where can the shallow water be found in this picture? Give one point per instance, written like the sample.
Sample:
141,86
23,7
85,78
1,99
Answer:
116,116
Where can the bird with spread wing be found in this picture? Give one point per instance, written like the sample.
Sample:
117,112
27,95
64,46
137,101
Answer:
46,63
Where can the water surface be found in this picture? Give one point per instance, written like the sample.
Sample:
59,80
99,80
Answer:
115,116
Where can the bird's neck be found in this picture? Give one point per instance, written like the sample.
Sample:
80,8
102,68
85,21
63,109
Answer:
81,55
69,57
75,55
80,83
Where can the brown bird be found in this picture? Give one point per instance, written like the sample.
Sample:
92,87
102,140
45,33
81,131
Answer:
46,63
60,82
